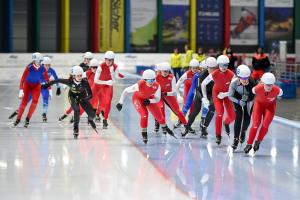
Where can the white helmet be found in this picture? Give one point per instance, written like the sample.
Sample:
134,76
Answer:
77,70
203,64
148,74
164,66
37,57
94,62
46,60
88,55
243,71
109,55
211,62
268,78
72,71
222,59
194,63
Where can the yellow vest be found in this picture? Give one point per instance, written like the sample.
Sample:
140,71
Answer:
176,60
188,58
200,57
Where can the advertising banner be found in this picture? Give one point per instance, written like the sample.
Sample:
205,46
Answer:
112,25
279,19
175,26
210,23
143,25
244,22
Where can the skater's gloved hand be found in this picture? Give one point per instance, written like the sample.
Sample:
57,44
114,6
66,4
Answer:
50,93
119,106
146,102
205,102
45,86
244,97
242,103
204,111
21,94
65,87
58,92
77,99
222,95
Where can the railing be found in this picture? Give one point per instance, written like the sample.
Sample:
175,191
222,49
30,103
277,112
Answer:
286,72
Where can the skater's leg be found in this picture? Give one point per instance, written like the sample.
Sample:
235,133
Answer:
230,114
267,120
27,92
36,91
256,120
108,92
238,121
76,109
220,111
197,108
142,111
45,95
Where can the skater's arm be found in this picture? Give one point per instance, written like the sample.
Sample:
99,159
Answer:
180,81
97,77
118,74
128,90
173,92
157,96
54,76
25,74
87,87
45,74
232,89
280,93
204,83
67,82
191,94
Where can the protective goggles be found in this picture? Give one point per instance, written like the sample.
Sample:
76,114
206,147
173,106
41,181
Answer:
94,67
223,65
244,78
150,80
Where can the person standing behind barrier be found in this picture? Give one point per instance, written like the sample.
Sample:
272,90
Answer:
176,63
240,93
188,57
232,58
260,64
200,55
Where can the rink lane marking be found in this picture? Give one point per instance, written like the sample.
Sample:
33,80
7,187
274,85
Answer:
163,175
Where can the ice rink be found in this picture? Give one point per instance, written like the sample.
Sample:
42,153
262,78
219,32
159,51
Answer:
45,162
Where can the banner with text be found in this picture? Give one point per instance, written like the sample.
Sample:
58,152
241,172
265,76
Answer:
112,25
210,24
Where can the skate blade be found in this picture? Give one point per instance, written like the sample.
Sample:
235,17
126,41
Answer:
96,130
173,136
